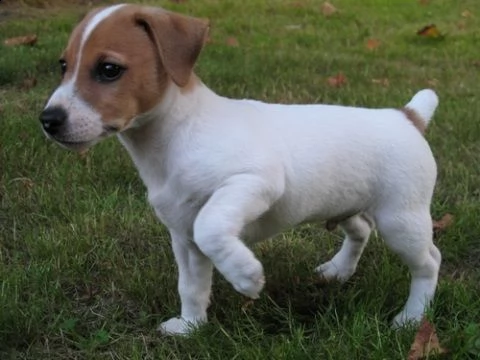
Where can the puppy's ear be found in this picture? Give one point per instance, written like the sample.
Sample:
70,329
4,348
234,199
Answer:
178,39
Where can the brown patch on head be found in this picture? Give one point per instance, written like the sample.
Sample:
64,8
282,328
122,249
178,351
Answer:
415,119
70,55
152,46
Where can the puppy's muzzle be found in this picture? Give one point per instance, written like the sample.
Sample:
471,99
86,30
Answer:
53,119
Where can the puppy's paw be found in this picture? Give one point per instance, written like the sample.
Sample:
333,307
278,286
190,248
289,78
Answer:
332,271
177,326
248,279
407,319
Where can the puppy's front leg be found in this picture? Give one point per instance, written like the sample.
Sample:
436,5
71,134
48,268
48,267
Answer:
194,286
218,226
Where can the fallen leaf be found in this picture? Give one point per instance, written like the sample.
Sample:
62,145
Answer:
293,27
443,223
89,293
430,31
27,183
461,25
328,9
337,80
29,83
231,41
298,4
247,304
178,1
209,39
466,14
372,44
426,342
21,40
423,2
381,81
83,154
432,82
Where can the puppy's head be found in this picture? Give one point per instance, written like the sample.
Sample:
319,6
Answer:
118,64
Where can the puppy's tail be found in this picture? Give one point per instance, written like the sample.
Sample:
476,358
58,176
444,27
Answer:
421,108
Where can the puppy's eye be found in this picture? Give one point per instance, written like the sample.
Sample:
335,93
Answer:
63,66
108,72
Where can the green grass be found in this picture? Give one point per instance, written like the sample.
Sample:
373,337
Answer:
86,270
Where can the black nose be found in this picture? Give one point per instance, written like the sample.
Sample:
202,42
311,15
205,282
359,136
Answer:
52,119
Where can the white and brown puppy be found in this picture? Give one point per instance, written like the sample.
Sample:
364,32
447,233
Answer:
223,173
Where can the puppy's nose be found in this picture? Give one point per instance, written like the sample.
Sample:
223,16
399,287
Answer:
52,119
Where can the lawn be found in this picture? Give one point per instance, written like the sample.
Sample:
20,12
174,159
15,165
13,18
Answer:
86,269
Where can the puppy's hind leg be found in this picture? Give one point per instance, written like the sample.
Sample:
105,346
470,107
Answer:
409,234
357,230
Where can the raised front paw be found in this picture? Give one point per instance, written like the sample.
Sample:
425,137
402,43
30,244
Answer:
247,279
178,326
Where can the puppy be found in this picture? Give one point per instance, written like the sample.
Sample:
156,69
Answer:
223,173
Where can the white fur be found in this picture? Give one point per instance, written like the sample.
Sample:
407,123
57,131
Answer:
223,173
424,102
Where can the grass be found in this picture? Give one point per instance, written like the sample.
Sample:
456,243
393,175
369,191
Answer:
86,270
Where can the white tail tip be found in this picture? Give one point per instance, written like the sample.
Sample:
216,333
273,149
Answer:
424,103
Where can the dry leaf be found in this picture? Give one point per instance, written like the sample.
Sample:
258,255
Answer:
293,27
426,342
298,4
83,154
443,223
27,183
178,1
247,304
432,82
423,2
466,14
461,25
29,83
209,39
381,81
21,40
231,41
430,31
337,80
372,44
328,9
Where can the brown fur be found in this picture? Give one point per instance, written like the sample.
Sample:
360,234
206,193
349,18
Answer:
73,46
155,46
415,119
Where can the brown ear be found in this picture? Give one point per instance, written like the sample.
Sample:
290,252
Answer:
178,38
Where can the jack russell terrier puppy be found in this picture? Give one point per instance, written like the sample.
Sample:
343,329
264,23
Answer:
223,173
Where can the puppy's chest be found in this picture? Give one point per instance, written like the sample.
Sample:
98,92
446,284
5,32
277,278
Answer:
177,206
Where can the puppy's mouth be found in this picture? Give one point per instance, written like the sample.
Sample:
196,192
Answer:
82,145
78,146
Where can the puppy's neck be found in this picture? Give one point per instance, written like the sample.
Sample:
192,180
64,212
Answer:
150,136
